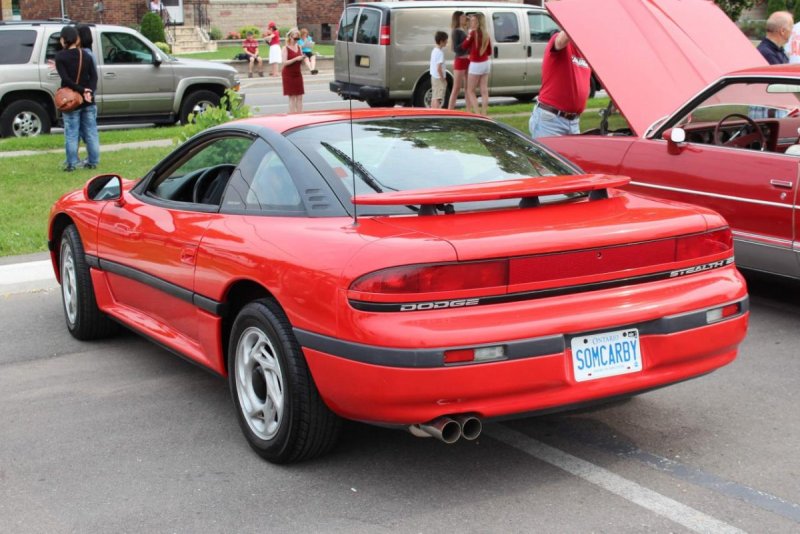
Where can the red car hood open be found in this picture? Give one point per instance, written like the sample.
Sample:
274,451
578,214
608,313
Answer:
653,55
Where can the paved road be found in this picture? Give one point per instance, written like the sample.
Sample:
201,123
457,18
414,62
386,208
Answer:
265,95
122,436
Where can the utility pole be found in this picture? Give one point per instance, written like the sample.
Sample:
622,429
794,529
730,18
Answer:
63,10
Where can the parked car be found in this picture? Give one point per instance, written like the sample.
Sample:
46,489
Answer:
137,82
383,49
697,132
408,268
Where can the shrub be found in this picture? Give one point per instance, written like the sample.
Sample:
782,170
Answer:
233,35
153,28
253,29
754,29
164,47
231,106
215,34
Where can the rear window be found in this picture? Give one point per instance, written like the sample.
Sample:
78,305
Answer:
17,46
399,154
364,23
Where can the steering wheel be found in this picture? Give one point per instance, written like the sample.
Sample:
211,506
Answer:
111,54
742,141
205,179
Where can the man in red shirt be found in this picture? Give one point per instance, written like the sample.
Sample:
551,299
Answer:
250,46
565,88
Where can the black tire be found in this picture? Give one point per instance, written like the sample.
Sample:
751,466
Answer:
24,118
524,98
84,319
422,94
197,101
302,427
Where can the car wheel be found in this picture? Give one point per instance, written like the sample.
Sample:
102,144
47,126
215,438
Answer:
197,102
524,98
277,403
84,319
423,93
24,118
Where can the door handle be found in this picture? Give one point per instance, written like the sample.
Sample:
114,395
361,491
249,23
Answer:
495,52
783,184
53,74
529,51
110,75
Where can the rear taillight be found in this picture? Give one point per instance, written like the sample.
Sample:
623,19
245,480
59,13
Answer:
386,35
435,278
701,245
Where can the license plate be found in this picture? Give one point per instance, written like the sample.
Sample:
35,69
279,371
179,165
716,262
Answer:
607,354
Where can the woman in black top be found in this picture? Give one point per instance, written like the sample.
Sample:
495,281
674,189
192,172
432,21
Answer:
458,33
78,72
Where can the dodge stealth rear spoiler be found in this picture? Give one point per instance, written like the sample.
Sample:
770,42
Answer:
528,189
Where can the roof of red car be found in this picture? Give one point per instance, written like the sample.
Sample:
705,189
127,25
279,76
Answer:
284,122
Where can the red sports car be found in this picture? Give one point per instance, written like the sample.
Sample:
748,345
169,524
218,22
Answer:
710,122
425,270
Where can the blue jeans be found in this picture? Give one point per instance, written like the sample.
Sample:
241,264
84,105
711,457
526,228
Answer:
81,123
544,124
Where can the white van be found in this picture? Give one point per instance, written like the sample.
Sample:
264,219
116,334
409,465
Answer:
383,49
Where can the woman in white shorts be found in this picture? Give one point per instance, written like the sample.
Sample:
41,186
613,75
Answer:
479,46
273,38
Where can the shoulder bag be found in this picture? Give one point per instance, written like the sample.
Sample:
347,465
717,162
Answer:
68,99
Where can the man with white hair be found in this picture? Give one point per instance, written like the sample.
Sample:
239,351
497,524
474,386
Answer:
779,29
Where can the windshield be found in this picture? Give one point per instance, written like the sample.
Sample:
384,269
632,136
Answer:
755,100
398,154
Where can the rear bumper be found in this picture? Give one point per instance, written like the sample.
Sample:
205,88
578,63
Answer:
373,389
359,92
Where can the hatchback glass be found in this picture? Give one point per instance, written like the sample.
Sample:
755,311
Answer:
407,153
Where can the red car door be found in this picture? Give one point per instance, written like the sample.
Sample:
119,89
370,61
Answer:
150,253
755,191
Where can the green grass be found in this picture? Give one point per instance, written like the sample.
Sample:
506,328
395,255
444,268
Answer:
592,103
227,51
107,137
30,185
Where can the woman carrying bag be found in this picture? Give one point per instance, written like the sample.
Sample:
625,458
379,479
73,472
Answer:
78,73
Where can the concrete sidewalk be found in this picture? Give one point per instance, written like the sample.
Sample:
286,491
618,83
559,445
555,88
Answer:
103,148
21,274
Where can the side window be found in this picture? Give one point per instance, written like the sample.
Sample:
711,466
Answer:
124,48
542,27
271,188
17,46
201,176
506,28
53,46
369,26
347,25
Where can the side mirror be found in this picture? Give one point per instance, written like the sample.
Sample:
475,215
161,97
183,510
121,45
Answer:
156,60
104,187
674,137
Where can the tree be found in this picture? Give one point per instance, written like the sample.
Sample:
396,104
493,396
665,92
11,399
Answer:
775,5
734,8
153,28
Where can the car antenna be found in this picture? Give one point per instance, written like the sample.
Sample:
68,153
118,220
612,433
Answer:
350,107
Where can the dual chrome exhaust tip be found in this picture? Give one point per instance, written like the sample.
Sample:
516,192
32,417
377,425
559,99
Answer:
450,429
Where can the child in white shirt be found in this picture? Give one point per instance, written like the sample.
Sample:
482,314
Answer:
438,78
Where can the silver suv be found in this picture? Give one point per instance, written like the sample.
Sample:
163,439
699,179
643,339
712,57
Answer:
137,82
